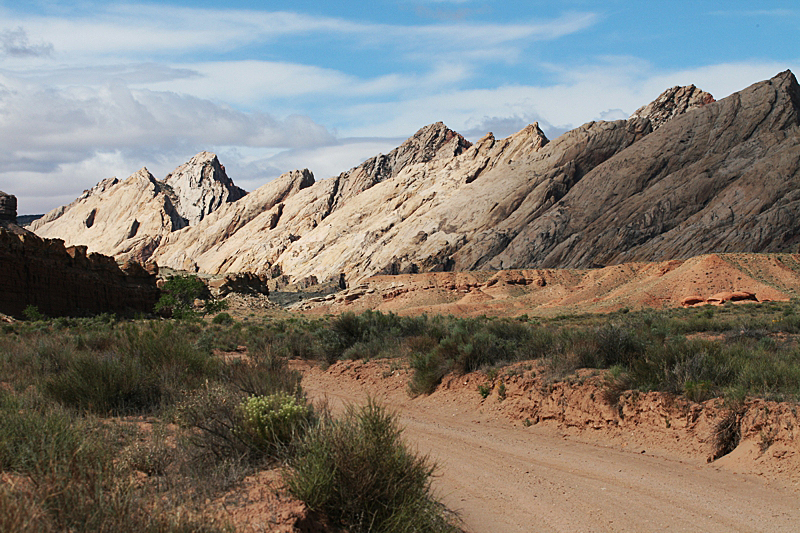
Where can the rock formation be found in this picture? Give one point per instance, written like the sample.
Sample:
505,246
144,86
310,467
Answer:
683,176
251,235
724,177
671,103
200,187
129,219
65,281
8,208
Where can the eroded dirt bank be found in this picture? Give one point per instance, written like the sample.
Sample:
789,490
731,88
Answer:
583,465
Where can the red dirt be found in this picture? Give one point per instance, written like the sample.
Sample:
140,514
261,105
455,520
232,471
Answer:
558,291
582,465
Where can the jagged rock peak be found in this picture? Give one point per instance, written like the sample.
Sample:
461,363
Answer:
789,81
300,179
104,185
434,141
533,135
200,186
8,207
671,103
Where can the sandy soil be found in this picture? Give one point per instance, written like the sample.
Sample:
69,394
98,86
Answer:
503,476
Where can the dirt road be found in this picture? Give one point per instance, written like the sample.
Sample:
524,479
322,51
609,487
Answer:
502,478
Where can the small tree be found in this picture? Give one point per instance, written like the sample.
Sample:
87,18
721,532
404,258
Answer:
179,294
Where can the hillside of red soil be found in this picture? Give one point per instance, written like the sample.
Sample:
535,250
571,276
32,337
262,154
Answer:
549,292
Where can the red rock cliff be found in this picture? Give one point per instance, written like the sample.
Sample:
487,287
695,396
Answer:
67,281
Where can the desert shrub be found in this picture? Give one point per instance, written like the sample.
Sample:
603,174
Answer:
110,384
211,414
223,319
151,455
69,479
727,432
360,473
261,376
32,313
429,370
217,414
618,345
179,294
270,423
501,391
615,382
145,369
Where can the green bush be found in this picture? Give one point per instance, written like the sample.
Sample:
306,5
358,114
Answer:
218,423
145,369
32,313
223,319
178,295
429,370
360,473
270,423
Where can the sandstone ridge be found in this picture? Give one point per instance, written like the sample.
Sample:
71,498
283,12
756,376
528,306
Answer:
128,219
685,175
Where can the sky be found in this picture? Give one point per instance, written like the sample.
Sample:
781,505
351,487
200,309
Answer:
90,90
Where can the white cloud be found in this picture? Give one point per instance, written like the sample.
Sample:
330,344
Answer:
15,43
145,85
579,96
110,32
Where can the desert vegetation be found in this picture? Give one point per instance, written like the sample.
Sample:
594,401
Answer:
109,425
119,425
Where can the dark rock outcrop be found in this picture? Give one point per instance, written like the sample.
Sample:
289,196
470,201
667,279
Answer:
8,207
68,281
240,283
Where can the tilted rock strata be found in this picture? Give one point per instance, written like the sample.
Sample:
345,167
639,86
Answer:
721,178
671,103
68,281
125,219
255,233
683,176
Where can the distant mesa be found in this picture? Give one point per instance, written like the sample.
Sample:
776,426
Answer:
27,220
685,175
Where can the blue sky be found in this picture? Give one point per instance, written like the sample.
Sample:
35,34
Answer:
90,90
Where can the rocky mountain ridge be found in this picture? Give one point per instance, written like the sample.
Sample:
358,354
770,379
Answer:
128,219
683,176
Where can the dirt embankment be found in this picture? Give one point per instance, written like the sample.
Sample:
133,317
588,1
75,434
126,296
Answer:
535,456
